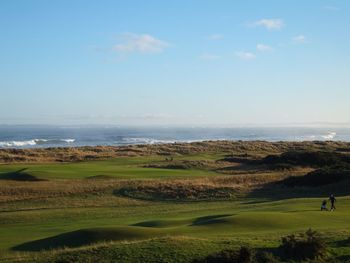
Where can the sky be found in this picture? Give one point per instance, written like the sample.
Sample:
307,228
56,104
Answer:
178,62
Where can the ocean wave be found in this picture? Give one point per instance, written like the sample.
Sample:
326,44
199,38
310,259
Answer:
141,140
17,143
68,140
329,136
33,142
137,140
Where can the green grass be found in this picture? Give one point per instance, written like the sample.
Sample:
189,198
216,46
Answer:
214,221
125,168
169,249
154,231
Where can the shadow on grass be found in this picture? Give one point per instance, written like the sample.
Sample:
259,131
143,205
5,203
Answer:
84,237
344,258
19,175
280,190
343,243
207,220
100,177
71,239
153,223
242,167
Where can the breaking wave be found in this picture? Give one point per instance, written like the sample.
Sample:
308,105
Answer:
323,137
137,140
329,136
34,142
144,141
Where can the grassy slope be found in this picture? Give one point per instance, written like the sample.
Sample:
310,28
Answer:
207,226
213,221
127,168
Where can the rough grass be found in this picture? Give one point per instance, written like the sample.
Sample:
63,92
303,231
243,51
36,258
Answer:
169,249
319,177
308,158
209,188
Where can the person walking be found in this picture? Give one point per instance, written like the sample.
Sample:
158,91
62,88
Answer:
333,200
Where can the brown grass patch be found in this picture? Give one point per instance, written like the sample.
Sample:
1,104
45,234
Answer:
199,189
20,191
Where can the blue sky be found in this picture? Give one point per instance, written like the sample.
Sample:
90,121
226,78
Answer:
174,62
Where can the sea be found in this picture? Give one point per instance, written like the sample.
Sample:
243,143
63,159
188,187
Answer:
27,136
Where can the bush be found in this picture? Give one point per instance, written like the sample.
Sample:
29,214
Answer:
243,255
305,158
308,245
266,257
281,167
176,191
224,256
318,177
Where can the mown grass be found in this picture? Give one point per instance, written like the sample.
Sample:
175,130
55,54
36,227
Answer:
126,168
213,221
75,212
168,249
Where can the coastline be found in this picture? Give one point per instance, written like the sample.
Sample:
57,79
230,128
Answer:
90,153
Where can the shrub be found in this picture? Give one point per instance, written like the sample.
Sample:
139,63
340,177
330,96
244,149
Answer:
308,245
318,177
176,191
281,166
305,158
243,255
224,256
266,257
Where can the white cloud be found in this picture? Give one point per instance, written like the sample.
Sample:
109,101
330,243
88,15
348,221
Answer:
263,47
207,56
143,43
245,55
300,39
215,37
270,24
